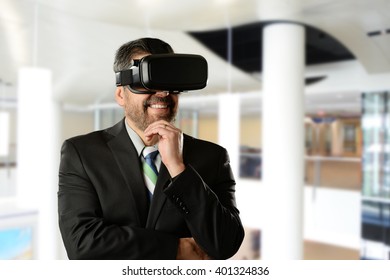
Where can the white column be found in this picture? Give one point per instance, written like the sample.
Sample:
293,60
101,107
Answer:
97,119
4,124
195,123
38,154
283,141
4,134
229,128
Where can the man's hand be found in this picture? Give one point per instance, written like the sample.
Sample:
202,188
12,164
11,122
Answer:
170,145
189,250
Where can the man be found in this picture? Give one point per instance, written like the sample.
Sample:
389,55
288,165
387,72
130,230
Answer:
104,208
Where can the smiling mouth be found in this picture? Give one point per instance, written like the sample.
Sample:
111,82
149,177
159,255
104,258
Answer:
158,103
158,106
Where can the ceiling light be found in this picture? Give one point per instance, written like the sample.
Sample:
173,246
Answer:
223,2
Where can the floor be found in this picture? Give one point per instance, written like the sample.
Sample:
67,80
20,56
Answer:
320,251
313,250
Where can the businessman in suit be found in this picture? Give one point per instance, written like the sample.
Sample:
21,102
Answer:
104,208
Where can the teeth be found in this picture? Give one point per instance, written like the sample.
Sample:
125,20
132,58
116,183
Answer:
158,106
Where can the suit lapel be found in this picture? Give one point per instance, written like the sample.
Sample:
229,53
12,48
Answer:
127,158
159,197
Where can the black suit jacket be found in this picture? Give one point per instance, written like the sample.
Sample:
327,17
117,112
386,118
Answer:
104,211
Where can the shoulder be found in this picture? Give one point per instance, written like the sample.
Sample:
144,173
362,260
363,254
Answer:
191,141
96,137
198,147
206,157
86,139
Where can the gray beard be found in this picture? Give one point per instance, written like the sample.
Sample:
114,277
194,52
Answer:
142,120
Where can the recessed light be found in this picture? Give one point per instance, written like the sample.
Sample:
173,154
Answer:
374,33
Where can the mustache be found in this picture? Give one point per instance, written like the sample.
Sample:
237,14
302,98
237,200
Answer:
167,100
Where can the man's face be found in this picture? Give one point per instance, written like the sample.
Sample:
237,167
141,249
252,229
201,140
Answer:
144,109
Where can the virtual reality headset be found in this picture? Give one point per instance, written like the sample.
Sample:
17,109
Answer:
165,72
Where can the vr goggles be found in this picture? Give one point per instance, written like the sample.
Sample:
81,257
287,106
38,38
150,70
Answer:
165,72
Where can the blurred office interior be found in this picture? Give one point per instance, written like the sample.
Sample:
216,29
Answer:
298,92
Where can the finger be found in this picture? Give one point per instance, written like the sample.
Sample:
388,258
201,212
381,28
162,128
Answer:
161,130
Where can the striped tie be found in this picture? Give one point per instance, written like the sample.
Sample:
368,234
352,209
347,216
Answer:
149,168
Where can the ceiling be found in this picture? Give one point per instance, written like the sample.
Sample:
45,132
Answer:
77,41
246,45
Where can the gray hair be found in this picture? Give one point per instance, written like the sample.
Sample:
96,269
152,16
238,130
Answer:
125,54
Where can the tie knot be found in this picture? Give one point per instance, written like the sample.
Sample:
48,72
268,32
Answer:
149,152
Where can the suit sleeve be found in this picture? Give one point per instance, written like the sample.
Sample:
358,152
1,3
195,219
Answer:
210,210
85,232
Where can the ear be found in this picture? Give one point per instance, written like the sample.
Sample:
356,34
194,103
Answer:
120,96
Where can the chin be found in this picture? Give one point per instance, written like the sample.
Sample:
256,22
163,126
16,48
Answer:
168,117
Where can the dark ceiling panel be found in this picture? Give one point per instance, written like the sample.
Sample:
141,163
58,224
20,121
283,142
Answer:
247,46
